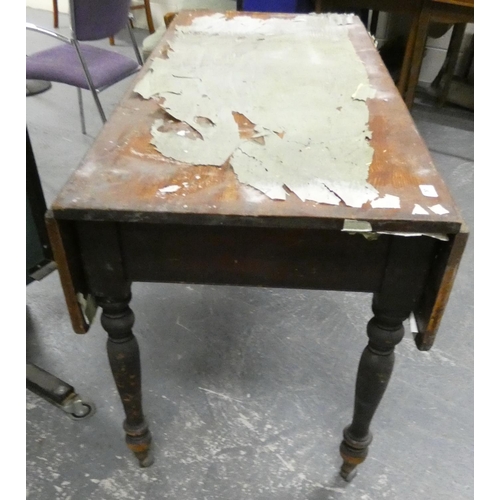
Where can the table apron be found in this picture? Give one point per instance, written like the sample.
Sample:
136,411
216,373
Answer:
253,256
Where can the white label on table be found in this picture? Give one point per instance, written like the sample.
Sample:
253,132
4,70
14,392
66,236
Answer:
439,209
428,190
418,210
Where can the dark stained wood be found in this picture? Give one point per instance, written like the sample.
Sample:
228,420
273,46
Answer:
36,199
439,11
55,13
112,227
146,5
406,271
120,176
423,12
444,78
277,257
67,257
101,253
449,12
409,49
463,3
124,359
385,330
401,6
434,298
416,57
100,247
411,8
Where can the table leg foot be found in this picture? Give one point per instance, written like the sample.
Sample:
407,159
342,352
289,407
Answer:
385,330
138,440
123,354
348,471
353,453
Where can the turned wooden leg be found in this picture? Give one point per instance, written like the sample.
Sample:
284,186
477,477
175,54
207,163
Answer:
417,57
450,63
149,17
123,353
385,330
410,47
55,13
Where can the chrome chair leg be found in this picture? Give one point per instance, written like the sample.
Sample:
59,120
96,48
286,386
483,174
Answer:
80,105
134,44
89,81
98,104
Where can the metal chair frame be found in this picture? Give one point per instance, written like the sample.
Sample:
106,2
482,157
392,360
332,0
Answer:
146,6
72,40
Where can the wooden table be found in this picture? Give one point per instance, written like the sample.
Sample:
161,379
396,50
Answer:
438,11
422,12
109,229
415,45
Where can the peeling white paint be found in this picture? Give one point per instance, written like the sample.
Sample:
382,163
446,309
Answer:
387,201
302,84
169,189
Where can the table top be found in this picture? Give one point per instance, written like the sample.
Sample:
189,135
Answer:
463,3
121,174
407,6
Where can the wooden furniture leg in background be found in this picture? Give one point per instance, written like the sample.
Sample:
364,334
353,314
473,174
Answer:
445,76
149,18
439,11
55,13
418,56
374,22
410,46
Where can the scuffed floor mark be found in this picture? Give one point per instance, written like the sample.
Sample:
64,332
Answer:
435,356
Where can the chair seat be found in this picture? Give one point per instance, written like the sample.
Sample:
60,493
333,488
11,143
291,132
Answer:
61,64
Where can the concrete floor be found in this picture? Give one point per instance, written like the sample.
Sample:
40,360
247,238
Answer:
247,390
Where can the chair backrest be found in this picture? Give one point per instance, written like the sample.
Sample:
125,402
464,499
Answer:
98,19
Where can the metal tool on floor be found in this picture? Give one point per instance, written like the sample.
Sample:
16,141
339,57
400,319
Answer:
59,393
39,263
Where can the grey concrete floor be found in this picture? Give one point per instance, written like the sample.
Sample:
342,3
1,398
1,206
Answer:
247,390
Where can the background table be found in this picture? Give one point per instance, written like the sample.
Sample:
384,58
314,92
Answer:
422,12
108,229
439,11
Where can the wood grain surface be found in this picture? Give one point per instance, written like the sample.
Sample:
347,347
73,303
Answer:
120,176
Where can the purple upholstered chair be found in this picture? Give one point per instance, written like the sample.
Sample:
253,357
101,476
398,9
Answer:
85,66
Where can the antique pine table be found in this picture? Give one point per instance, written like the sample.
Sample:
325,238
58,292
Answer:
109,228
